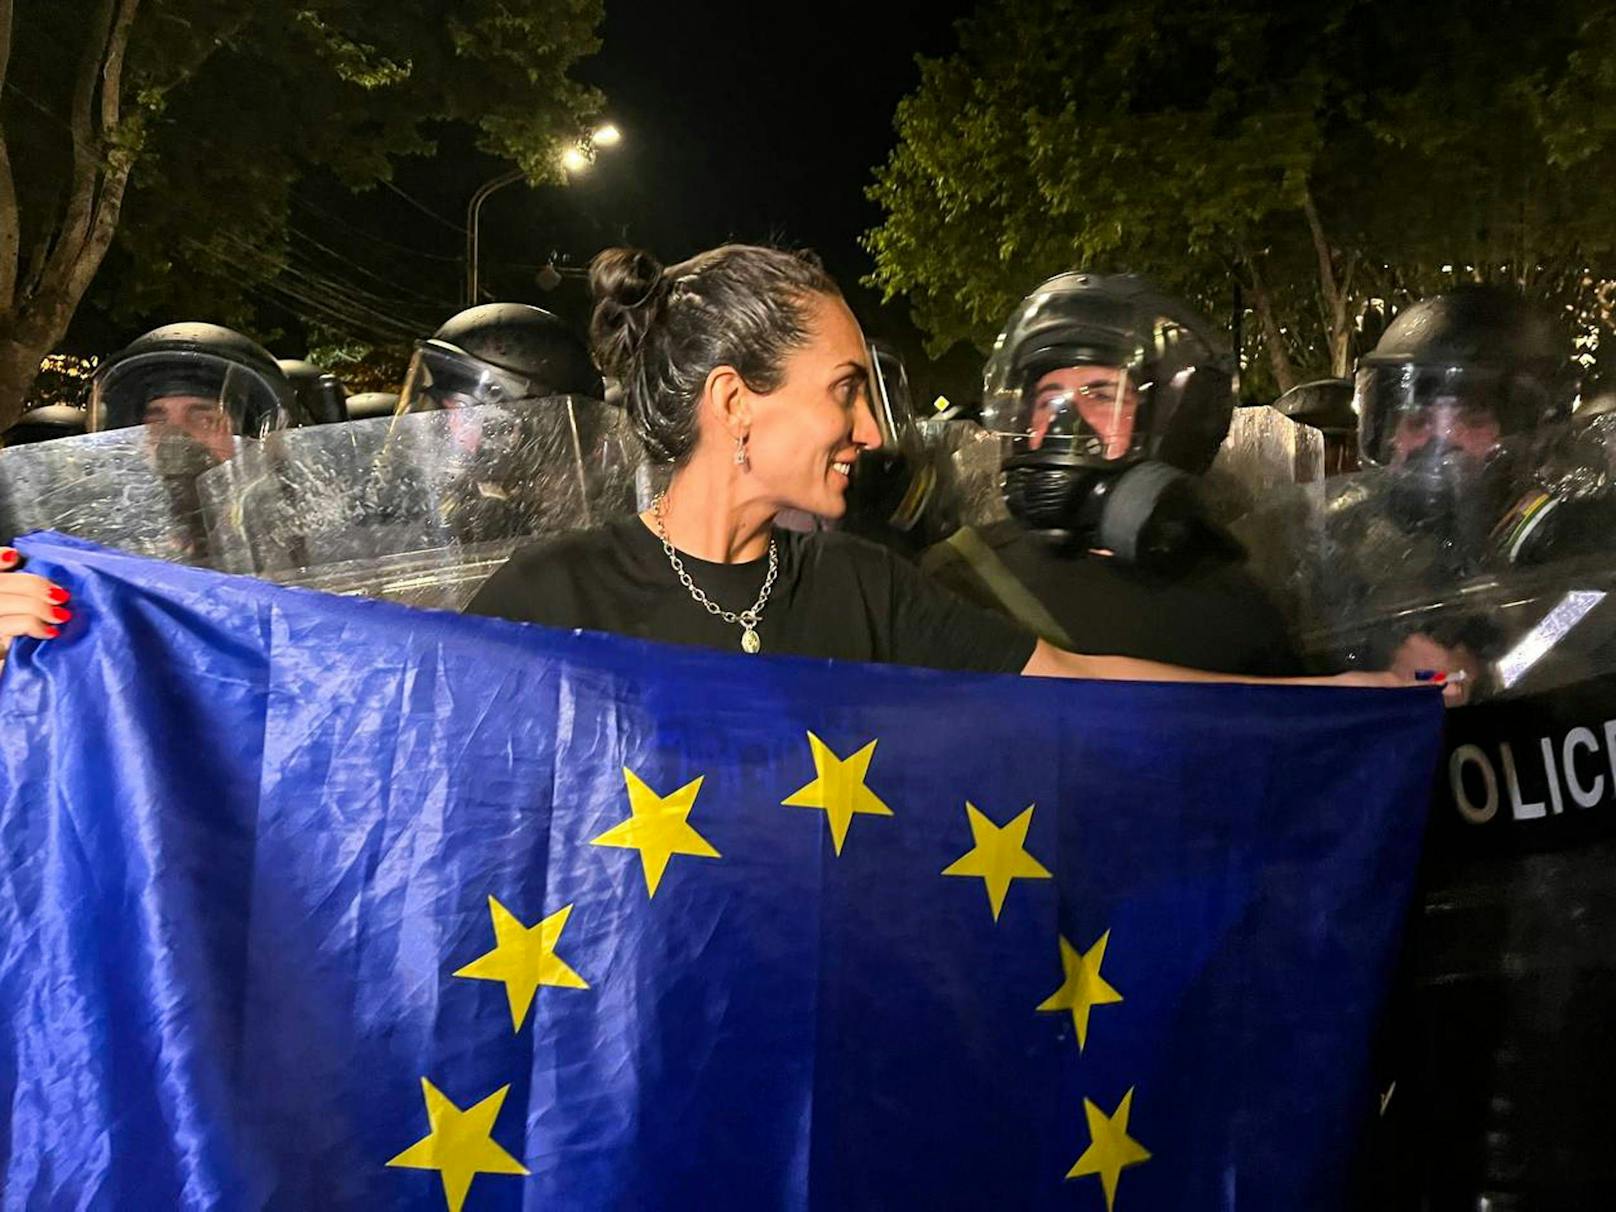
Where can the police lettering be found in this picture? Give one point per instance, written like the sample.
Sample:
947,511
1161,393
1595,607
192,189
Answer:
1535,779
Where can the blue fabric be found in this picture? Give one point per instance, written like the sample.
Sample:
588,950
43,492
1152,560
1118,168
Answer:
250,835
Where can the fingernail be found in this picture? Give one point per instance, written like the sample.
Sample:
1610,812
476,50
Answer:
58,595
52,632
8,555
58,615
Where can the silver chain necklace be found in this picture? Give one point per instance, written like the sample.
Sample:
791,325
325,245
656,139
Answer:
748,619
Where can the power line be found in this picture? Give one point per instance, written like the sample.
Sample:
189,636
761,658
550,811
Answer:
456,259
393,286
424,209
316,294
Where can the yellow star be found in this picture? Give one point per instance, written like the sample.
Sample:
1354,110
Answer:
839,789
524,958
1111,1150
658,828
1000,855
460,1145
1084,988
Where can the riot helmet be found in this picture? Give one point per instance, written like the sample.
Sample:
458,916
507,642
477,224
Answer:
498,353
895,490
890,397
367,405
320,398
201,380
45,424
1327,406
1094,384
1450,400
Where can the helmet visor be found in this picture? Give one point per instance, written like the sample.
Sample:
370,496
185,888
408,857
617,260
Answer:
889,398
443,377
1085,409
1409,412
198,394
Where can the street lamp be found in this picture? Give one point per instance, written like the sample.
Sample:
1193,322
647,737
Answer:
474,210
575,159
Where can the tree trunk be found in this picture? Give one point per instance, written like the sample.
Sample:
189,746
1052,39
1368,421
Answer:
1335,293
1262,303
24,342
39,299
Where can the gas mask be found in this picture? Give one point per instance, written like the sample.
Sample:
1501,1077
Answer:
1451,494
1146,513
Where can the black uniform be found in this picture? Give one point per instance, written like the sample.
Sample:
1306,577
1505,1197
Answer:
1207,612
835,596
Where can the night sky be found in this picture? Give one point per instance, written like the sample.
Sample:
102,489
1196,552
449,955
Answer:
738,123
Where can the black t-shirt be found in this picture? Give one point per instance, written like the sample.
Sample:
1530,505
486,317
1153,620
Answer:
835,596
1205,613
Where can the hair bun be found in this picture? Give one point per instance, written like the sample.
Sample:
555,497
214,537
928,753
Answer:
625,283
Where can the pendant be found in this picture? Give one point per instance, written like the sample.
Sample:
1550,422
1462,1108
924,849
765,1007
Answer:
750,641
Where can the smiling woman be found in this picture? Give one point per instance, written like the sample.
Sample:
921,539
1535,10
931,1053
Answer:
745,369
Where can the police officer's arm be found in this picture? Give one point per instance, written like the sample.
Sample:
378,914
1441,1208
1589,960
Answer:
1048,661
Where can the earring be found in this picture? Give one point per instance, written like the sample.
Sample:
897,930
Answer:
740,452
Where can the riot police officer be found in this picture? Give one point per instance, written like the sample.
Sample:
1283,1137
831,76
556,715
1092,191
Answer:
1450,404
203,381
173,405
1094,383
1465,474
1326,405
503,467
498,353
44,425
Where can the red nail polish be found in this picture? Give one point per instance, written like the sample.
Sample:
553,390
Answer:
52,632
58,595
58,615
8,556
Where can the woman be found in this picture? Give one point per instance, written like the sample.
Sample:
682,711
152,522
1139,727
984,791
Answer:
746,370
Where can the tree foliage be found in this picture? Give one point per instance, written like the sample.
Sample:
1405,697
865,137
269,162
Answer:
179,128
1330,161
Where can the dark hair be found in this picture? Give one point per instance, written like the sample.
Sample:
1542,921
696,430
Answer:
661,332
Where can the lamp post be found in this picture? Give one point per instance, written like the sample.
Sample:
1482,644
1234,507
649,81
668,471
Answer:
575,159
474,210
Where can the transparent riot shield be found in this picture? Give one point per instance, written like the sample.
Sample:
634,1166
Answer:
971,455
1516,591
419,508
1500,1069
1510,633
1264,453
136,489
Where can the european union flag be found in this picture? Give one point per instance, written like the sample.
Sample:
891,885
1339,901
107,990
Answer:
325,903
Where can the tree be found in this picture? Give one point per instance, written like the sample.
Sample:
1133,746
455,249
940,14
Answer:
1328,160
180,127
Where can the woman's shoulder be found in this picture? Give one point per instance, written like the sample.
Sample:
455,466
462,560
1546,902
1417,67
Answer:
540,581
566,549
837,547
835,555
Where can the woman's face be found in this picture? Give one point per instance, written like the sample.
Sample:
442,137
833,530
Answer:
805,435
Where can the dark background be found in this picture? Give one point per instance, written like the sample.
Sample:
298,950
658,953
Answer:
738,122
